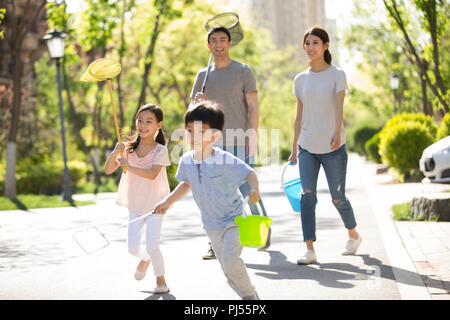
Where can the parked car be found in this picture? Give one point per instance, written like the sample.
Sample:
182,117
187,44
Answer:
435,161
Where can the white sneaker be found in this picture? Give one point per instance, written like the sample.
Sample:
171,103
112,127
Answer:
308,258
352,246
161,290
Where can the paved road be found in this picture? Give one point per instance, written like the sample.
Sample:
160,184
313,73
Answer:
40,260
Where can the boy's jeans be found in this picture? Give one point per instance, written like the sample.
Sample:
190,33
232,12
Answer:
239,151
335,167
226,245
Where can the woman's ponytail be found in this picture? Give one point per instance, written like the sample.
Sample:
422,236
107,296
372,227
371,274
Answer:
327,56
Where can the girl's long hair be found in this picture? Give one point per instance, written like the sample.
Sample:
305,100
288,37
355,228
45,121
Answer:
323,35
135,138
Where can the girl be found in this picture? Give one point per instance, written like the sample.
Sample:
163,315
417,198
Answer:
320,134
142,186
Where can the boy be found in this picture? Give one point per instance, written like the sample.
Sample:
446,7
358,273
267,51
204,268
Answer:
214,176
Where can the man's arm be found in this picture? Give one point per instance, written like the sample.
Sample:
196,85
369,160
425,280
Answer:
253,119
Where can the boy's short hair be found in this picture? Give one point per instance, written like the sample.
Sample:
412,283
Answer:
207,112
219,28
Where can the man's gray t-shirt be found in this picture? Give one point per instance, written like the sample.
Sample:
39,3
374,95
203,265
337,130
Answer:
317,91
228,87
215,185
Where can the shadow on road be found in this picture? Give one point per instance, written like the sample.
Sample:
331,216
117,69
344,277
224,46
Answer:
335,275
155,296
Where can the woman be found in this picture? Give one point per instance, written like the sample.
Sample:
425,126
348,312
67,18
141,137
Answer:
319,131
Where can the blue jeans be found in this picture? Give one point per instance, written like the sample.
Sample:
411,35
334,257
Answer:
335,166
239,151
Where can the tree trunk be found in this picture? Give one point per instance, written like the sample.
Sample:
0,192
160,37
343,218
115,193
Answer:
148,65
10,183
18,25
425,105
432,20
11,155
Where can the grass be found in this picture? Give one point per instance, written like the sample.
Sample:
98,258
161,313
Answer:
108,185
35,201
401,213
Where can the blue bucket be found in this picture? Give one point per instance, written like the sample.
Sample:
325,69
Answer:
293,191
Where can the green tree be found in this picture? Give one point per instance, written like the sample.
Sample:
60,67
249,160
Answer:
2,15
434,18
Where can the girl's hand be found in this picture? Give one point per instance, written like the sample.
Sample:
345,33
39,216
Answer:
293,158
120,146
253,196
335,141
161,207
123,162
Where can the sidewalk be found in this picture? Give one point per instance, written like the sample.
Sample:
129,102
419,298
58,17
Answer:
40,260
427,243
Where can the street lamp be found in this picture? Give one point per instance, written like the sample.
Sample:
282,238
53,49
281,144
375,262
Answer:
55,43
395,83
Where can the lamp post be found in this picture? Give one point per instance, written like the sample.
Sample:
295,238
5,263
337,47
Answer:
395,83
55,43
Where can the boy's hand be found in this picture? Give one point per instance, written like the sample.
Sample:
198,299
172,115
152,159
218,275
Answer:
161,207
253,196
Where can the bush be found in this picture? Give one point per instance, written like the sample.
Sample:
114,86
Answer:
422,118
361,136
171,171
46,177
444,127
401,146
372,148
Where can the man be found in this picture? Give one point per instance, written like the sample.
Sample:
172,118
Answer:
232,84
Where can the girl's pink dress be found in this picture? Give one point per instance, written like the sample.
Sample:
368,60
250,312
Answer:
138,194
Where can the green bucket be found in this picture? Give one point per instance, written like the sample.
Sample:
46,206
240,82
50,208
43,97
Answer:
253,229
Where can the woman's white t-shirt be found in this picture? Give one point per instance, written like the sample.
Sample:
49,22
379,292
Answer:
317,91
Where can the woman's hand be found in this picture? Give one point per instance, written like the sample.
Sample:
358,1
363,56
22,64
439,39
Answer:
293,157
335,142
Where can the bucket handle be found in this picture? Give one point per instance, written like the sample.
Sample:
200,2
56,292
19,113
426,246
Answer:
282,174
247,199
